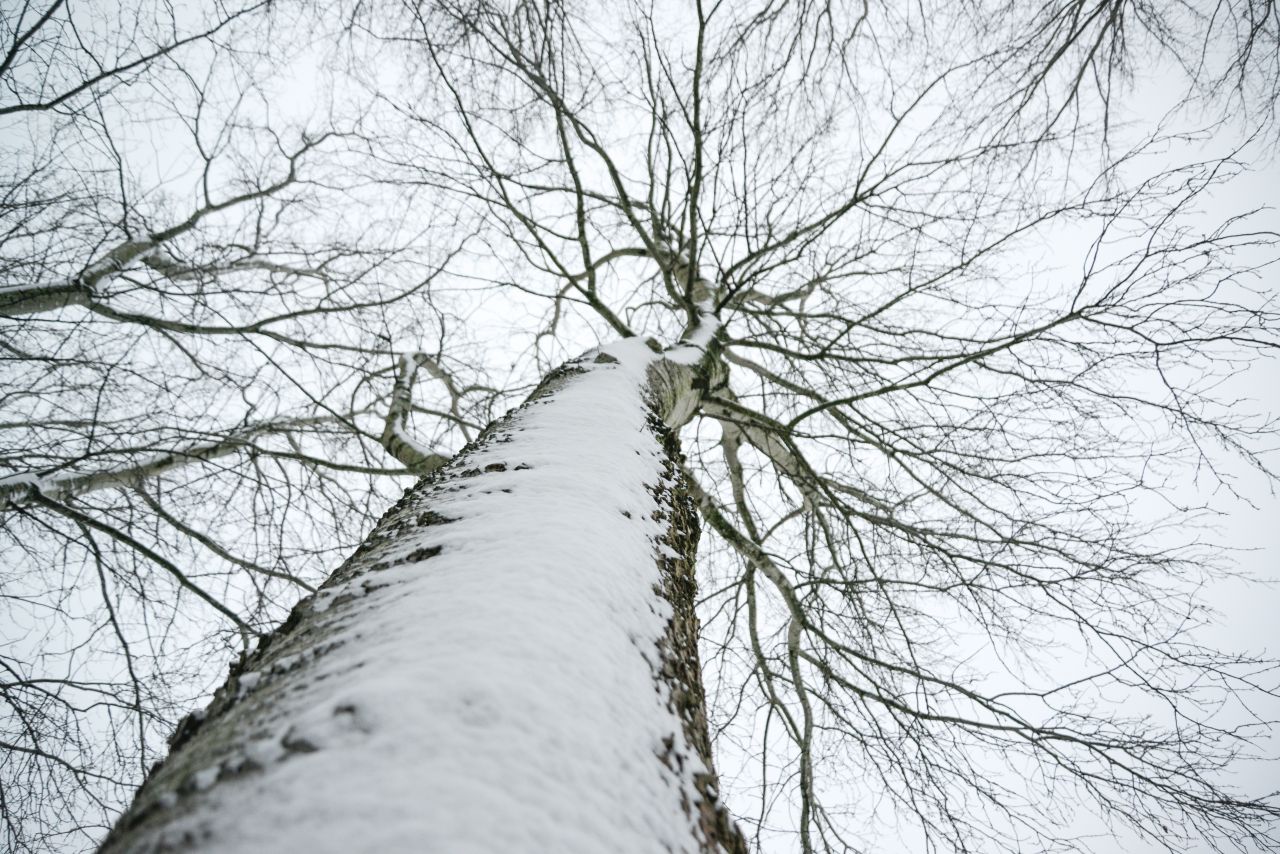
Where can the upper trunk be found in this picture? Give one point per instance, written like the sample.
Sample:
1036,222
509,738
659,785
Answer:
508,663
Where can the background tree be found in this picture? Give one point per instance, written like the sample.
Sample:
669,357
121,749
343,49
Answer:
200,352
927,460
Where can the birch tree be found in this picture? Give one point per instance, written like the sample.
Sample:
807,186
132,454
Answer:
809,254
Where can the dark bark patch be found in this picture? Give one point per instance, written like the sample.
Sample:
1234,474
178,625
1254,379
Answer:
187,727
431,517
347,716
419,554
292,742
238,766
679,667
424,553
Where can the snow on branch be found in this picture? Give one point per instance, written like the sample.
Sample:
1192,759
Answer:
82,288
395,434
25,487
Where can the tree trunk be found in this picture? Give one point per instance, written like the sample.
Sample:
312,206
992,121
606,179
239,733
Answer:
508,663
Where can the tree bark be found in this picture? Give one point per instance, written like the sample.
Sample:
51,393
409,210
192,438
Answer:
507,663
19,301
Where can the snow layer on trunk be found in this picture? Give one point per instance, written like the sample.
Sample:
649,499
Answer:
492,688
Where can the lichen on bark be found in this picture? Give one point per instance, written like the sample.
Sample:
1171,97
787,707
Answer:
679,663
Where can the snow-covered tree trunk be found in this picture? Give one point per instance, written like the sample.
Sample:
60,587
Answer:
508,663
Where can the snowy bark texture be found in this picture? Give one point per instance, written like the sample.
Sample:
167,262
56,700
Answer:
508,663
